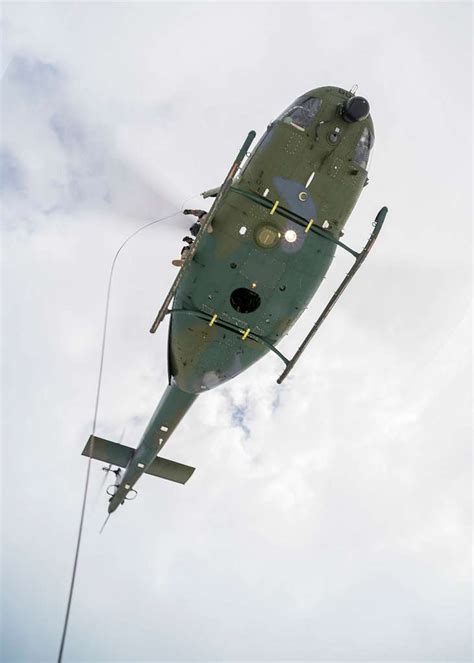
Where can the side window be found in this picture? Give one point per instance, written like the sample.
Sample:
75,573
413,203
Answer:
302,112
363,147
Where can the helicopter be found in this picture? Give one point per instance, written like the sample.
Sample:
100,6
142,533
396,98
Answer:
259,256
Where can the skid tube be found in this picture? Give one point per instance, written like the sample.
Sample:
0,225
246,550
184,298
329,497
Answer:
377,224
210,215
289,363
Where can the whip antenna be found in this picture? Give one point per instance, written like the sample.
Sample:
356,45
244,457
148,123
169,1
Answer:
105,523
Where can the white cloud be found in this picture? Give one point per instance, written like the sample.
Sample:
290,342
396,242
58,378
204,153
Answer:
338,528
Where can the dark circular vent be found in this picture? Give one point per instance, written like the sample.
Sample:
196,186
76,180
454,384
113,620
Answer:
245,300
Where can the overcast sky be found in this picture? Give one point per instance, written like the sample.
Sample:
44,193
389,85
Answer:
328,519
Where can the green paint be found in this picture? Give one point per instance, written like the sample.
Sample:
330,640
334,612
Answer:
286,275
258,269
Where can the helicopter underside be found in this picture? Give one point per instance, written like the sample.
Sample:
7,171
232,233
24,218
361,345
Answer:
235,292
274,235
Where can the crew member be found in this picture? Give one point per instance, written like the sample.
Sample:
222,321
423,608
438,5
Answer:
194,230
201,215
186,247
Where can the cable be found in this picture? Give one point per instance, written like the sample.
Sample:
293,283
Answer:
94,423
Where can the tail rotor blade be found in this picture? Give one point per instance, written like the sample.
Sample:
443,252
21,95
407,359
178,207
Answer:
106,470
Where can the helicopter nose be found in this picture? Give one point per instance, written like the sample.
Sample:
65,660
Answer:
356,109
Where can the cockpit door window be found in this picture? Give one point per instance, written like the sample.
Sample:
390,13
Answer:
302,112
363,147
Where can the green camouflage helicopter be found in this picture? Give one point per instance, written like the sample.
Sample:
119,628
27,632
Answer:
259,256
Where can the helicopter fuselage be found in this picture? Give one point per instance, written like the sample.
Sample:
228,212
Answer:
258,259
258,269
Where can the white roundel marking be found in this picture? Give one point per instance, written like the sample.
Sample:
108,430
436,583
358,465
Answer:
291,236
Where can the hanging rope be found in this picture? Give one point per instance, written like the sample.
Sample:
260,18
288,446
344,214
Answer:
94,423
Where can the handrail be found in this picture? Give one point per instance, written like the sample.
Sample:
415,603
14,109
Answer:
230,327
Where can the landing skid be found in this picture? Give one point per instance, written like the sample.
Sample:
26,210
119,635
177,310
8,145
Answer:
308,225
377,224
222,192
248,334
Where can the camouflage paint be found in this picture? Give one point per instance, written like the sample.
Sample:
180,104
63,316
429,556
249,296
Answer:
296,168
285,276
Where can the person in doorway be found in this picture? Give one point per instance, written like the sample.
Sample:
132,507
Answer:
201,216
194,230
180,261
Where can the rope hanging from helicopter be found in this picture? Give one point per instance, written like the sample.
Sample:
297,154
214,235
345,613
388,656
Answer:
94,422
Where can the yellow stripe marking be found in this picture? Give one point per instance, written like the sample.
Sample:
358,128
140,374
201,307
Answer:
277,202
246,333
310,223
213,319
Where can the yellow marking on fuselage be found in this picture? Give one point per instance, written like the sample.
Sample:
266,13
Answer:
310,223
272,211
245,334
213,319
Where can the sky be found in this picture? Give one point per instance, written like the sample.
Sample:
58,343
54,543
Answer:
329,519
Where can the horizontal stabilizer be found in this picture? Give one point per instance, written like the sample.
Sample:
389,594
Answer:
169,469
120,455
110,452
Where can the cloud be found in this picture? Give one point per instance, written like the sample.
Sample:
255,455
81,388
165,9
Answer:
11,176
84,170
328,519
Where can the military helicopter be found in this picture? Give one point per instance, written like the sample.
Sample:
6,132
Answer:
259,256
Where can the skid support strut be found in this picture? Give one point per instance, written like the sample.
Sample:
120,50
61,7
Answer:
210,215
379,219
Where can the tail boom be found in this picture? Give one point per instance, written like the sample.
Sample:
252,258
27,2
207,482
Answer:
169,412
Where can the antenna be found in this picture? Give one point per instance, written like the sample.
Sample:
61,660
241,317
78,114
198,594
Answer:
105,523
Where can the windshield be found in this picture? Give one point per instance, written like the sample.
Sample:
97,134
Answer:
363,147
302,112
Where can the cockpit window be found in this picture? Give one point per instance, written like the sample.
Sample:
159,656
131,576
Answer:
302,112
363,147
